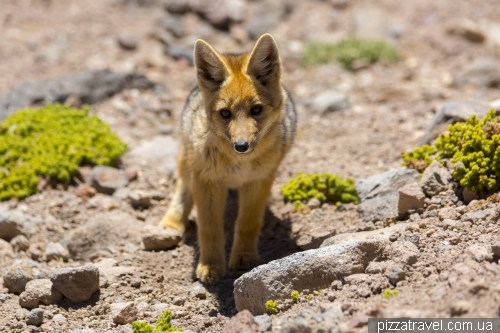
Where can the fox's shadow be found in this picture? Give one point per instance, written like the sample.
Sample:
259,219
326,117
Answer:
274,243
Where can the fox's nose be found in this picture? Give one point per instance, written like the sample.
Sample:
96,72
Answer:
241,146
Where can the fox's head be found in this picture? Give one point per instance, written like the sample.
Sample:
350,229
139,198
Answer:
242,92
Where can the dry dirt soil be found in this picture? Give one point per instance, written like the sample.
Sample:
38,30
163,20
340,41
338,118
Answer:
390,107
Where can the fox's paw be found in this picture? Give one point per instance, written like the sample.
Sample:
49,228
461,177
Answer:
167,222
243,260
210,274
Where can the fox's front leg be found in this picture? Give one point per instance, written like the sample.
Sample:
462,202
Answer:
182,201
252,204
210,200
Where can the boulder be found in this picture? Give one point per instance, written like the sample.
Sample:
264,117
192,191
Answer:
16,278
47,293
157,238
77,284
411,197
435,179
14,223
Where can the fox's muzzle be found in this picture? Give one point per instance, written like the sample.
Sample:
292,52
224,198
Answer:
241,146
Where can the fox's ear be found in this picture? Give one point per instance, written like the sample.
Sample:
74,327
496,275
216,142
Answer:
210,69
264,63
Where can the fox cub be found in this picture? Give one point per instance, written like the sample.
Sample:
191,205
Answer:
237,125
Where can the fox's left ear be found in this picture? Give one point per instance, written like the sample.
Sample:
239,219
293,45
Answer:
264,63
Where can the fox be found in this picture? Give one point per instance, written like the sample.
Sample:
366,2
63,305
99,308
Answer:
237,125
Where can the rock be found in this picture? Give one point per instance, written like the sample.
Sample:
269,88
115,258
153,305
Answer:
404,252
86,191
314,203
474,217
469,196
264,17
77,284
219,13
109,273
358,320
127,41
20,243
378,267
173,24
312,269
495,248
198,290
410,197
435,179
159,153
16,278
14,222
29,299
466,29
56,251
47,293
89,86
123,313
102,201
35,317
59,319
479,253
483,72
314,238
450,113
448,213
356,279
242,322
21,314
144,199
265,322
176,6
157,238
328,101
177,53
396,274
6,256
103,232
107,179
379,193
299,325
384,234
459,308
88,330
85,174
494,217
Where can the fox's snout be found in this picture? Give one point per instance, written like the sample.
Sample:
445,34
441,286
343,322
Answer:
241,146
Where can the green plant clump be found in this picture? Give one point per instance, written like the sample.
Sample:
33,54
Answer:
52,141
473,148
348,51
295,296
388,293
162,325
272,307
419,158
324,187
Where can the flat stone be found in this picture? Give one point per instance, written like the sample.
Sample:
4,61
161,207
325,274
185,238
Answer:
20,243
395,274
448,213
16,278
157,238
479,253
314,238
404,252
29,299
123,313
450,113
435,179
127,41
411,196
378,267
35,317
477,215
198,290
242,322
144,199
107,179
14,223
312,269
56,251
104,232
77,284
328,101
47,293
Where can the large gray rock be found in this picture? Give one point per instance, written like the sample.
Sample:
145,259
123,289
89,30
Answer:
379,193
14,223
450,113
77,284
90,87
47,293
104,232
312,269
16,278
29,299
411,196
35,317
435,179
159,153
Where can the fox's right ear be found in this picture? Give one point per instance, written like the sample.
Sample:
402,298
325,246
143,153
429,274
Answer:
210,69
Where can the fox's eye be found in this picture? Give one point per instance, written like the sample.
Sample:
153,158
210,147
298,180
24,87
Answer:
225,113
256,109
